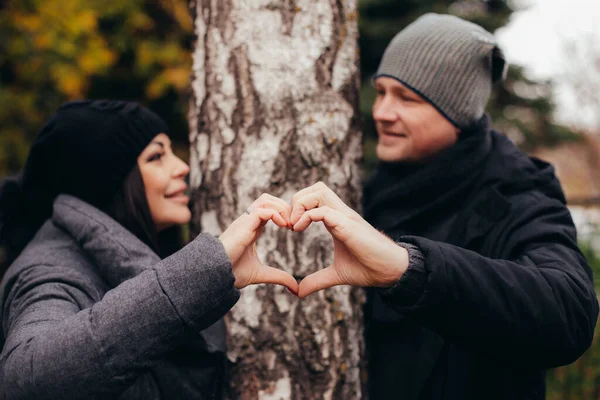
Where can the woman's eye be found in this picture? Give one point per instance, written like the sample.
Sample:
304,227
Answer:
156,157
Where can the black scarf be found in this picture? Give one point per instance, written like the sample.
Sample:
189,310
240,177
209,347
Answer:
400,197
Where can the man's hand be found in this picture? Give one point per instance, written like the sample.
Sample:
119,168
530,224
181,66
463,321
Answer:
362,255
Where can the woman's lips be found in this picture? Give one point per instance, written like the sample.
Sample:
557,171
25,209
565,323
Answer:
180,198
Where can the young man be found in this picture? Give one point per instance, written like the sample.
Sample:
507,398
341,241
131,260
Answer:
485,287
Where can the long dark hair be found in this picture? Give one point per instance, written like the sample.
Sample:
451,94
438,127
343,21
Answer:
130,208
19,220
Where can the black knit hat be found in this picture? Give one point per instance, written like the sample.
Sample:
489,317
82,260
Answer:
86,149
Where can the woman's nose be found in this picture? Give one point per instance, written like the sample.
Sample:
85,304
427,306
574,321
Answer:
181,168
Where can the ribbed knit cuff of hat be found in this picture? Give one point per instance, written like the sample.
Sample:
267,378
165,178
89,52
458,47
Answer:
410,287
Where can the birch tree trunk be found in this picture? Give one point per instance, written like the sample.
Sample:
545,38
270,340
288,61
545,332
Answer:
275,109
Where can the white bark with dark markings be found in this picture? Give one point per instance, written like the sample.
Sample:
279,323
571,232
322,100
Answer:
275,109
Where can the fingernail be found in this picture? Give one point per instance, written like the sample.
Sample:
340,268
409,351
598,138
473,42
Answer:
292,292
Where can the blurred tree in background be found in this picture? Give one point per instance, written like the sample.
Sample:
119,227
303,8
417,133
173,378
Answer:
52,51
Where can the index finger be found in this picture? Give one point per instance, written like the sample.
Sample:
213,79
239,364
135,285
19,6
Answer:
275,203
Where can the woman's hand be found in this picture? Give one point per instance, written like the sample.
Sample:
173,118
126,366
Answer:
362,255
239,241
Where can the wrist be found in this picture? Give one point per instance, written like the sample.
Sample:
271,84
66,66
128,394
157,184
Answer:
229,249
395,269
409,289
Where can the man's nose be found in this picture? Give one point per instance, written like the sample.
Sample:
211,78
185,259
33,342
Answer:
385,110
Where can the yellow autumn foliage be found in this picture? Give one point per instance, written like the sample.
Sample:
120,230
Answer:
57,50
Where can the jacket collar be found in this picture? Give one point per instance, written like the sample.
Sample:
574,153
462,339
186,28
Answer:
116,252
119,255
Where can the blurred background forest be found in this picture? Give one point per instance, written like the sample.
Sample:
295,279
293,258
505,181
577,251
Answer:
52,51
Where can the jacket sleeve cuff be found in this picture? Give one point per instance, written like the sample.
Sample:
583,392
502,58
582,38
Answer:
411,285
199,282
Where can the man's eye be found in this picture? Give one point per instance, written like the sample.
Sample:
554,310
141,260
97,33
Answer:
156,157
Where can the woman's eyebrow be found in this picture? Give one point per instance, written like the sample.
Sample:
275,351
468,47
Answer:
161,144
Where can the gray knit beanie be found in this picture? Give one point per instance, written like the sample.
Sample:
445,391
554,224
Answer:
450,62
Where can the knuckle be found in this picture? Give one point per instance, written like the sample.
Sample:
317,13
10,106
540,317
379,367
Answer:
322,199
296,197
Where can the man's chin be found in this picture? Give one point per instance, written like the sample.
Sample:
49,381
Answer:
386,154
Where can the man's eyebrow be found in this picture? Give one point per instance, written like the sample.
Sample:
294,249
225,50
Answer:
405,91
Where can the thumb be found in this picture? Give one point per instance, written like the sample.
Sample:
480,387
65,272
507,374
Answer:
267,274
319,280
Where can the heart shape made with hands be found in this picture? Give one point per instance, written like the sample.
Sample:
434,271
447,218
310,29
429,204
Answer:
362,256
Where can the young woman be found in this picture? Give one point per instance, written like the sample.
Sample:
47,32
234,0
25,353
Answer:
99,300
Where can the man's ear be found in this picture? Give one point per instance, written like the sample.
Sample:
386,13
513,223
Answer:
499,65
